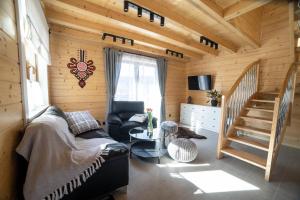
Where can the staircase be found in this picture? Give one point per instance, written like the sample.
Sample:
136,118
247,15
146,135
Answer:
253,122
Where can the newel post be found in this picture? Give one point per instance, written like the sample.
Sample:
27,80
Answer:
269,163
222,128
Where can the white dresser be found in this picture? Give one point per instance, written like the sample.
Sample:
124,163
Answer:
198,116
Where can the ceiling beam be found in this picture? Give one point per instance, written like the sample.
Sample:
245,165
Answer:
92,37
213,10
95,10
179,18
243,7
86,25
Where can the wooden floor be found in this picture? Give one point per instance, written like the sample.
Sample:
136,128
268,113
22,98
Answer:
210,179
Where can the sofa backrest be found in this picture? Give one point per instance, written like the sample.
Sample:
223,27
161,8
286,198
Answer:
128,107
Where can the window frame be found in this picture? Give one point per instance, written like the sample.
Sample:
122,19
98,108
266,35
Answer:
27,116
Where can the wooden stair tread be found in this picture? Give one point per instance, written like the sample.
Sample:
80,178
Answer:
245,156
259,119
259,109
253,130
263,100
269,93
249,142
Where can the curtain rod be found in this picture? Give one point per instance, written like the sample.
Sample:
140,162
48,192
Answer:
139,54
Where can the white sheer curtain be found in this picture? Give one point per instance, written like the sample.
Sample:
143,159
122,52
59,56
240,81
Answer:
139,82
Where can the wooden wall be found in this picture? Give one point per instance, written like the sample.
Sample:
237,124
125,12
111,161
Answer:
63,86
175,89
10,99
64,90
275,55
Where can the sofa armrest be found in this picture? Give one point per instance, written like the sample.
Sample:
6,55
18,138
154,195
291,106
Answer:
114,119
154,122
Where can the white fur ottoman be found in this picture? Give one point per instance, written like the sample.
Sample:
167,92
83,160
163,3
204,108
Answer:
182,150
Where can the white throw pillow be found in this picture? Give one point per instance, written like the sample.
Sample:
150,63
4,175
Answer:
141,118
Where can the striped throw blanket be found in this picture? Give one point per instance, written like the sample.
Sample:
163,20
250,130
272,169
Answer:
58,162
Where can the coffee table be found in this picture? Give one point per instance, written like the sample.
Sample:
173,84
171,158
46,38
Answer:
147,145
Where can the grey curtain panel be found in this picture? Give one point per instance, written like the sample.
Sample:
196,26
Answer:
112,64
162,77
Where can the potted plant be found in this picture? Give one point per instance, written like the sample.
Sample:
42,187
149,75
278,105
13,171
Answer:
214,97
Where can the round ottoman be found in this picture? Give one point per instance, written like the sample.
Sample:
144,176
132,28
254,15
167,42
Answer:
182,150
169,127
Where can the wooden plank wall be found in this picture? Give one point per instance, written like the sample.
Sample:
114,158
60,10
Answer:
10,99
63,86
274,54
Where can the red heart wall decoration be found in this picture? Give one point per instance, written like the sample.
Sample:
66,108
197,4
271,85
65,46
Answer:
81,69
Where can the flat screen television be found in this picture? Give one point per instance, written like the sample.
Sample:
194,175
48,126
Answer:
199,82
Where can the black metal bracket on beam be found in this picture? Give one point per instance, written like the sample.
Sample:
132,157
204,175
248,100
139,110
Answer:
141,10
174,53
209,42
115,37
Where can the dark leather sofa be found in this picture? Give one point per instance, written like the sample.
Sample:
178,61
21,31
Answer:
113,174
118,125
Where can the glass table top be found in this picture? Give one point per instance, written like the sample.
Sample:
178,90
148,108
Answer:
142,134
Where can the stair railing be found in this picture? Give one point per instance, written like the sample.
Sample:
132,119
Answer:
235,99
281,117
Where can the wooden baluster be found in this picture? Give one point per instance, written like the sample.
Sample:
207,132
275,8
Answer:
257,78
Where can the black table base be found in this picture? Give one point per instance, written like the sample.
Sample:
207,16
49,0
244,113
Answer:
148,149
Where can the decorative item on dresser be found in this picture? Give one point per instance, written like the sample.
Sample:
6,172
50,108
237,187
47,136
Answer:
214,97
199,116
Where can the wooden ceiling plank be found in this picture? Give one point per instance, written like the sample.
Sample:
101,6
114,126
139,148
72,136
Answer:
92,37
243,7
85,25
164,11
206,7
97,10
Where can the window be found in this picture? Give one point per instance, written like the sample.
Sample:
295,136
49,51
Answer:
138,81
34,56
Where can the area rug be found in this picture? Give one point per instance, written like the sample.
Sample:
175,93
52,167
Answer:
187,133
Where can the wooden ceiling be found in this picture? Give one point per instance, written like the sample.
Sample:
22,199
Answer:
230,23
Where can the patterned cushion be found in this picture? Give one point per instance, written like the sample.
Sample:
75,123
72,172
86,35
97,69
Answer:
80,122
141,118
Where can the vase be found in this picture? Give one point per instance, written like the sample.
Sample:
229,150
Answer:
150,124
214,102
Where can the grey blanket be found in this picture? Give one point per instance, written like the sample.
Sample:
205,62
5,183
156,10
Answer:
58,162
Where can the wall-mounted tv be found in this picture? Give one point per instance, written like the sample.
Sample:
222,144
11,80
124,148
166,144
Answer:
200,82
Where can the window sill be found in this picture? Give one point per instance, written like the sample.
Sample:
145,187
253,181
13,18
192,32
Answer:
35,113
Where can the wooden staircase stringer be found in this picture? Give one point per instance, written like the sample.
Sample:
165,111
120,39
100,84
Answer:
270,158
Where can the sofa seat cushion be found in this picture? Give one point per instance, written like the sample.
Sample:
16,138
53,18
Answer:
130,124
98,133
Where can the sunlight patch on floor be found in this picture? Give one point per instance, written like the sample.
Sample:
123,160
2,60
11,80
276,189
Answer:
216,181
